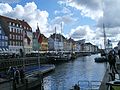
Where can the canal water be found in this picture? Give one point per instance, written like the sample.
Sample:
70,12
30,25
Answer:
69,73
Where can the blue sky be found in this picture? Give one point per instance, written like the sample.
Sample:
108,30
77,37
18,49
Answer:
81,19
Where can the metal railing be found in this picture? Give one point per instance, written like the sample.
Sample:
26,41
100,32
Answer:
89,85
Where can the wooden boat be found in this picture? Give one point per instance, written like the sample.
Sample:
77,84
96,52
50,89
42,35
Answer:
101,59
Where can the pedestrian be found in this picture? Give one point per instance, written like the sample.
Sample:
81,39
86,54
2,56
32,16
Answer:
112,60
10,72
119,53
16,76
22,75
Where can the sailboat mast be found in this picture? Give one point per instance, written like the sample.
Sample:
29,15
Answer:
104,36
61,37
55,42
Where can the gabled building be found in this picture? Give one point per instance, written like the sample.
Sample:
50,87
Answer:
70,44
88,47
27,36
43,44
14,29
35,45
55,42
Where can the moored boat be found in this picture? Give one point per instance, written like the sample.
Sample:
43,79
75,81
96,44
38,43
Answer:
101,59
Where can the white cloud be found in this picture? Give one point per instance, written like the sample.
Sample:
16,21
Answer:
111,20
5,8
111,16
65,10
9,1
29,13
67,19
82,32
87,8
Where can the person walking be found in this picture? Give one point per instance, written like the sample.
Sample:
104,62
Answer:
16,76
22,75
119,53
10,72
112,61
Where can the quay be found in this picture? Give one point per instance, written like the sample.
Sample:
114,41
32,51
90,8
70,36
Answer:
107,77
34,76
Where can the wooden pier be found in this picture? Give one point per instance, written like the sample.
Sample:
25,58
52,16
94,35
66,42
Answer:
33,78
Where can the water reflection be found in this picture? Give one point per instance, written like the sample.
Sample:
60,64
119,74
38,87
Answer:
67,74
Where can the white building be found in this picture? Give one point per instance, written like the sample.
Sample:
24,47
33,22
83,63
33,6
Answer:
55,43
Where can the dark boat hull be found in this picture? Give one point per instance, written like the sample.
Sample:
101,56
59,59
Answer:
100,59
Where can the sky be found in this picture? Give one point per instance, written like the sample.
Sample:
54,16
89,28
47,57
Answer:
78,19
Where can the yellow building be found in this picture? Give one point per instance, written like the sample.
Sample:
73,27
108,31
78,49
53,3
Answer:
44,44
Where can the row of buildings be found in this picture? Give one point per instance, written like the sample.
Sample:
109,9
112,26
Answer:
17,35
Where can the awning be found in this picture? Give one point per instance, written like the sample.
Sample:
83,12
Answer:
3,49
6,49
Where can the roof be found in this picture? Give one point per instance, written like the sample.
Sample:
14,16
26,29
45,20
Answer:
88,43
57,36
25,24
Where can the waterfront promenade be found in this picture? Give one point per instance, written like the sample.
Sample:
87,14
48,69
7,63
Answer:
107,76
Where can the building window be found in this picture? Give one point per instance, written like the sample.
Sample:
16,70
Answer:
20,43
19,37
3,37
10,36
15,30
2,43
17,25
13,37
6,38
10,29
13,43
10,23
13,24
19,31
16,37
6,43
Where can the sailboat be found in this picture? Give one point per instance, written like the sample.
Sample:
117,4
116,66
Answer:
59,55
103,58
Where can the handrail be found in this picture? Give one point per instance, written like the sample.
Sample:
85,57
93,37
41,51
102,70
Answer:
89,85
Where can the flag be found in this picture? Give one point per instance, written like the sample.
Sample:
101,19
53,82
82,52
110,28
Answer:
40,38
38,35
